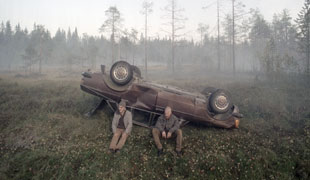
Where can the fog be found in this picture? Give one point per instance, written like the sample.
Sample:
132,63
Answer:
242,41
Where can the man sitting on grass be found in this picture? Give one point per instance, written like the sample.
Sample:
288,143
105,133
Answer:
121,127
167,126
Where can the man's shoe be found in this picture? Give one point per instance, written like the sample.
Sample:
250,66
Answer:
159,152
117,151
111,151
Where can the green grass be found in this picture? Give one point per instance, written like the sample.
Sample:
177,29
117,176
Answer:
44,135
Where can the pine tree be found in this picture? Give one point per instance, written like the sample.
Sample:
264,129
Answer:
69,35
147,9
176,21
303,33
8,30
202,30
112,24
259,35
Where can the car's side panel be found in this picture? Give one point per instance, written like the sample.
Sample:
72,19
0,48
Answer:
183,106
142,97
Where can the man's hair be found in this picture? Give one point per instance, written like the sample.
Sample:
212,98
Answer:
168,107
122,103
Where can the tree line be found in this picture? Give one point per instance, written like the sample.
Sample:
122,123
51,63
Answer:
247,43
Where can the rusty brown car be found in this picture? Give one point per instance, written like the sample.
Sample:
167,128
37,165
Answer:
124,81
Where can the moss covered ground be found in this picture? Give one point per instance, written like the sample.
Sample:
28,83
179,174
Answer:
45,135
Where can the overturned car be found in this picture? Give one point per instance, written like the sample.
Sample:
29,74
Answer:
124,81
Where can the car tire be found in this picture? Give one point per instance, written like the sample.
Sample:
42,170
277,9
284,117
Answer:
220,101
121,73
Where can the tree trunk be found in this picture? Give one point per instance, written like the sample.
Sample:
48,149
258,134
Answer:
308,46
218,37
112,38
145,44
172,38
233,36
40,65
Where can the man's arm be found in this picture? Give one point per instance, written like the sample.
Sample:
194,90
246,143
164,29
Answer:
114,125
159,124
129,127
176,125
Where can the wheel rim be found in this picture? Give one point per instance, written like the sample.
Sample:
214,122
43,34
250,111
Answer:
120,73
221,102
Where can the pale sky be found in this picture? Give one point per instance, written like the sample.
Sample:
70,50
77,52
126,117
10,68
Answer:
88,15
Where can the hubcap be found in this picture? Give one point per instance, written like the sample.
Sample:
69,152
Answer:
120,73
221,102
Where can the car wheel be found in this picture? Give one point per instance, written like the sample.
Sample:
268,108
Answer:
121,73
220,101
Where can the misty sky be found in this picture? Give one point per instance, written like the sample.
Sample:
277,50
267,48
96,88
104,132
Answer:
88,15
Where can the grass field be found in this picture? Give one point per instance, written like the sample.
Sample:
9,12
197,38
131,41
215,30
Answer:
44,134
